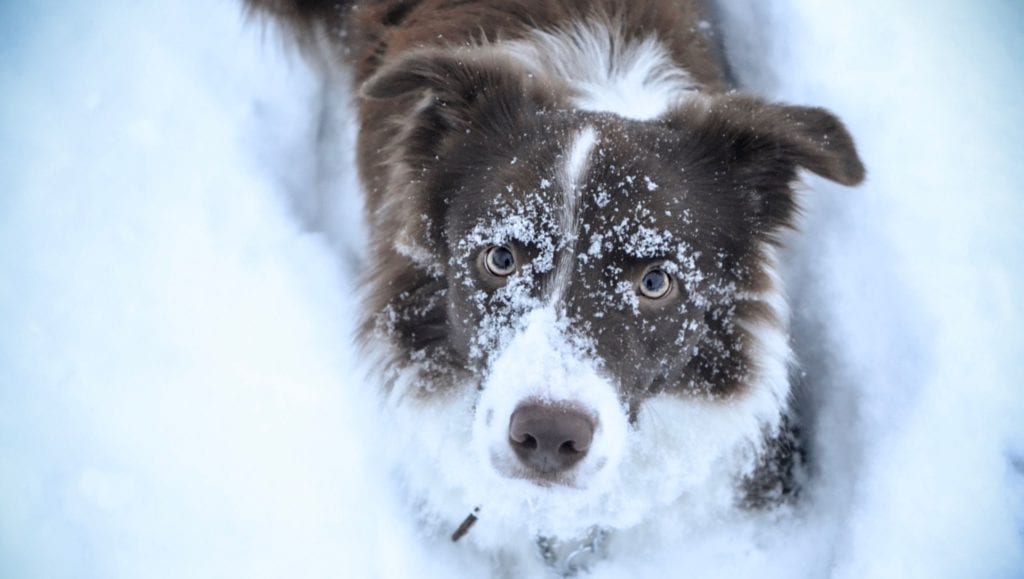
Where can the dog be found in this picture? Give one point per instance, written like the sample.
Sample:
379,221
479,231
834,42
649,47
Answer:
573,288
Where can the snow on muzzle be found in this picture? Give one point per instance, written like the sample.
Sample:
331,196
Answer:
545,414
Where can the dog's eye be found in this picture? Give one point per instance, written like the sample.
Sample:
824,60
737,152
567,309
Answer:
655,284
500,261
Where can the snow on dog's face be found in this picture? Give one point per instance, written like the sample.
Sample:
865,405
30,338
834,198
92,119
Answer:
581,310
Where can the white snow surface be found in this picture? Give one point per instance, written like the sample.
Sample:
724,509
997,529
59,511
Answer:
179,391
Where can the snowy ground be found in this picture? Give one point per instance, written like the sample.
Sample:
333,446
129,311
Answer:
178,393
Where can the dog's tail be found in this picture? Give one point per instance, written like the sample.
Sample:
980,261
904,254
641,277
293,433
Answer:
319,27
303,14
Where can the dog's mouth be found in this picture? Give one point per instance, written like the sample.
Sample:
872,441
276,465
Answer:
575,479
512,469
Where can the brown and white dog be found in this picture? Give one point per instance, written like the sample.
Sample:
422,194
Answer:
573,283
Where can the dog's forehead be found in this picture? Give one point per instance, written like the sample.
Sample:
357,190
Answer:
587,179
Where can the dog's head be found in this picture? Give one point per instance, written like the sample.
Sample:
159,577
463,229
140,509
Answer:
583,312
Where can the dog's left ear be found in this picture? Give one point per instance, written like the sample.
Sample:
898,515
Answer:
817,141
760,145
748,129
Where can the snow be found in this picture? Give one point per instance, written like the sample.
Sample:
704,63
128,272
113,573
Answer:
179,395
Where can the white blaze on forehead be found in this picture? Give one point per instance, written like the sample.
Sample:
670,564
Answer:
579,157
572,176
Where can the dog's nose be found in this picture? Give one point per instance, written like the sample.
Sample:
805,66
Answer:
549,439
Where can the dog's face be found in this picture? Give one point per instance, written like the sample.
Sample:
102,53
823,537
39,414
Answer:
582,308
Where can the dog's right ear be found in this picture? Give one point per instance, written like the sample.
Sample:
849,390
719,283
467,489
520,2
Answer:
447,93
425,69
451,76
461,85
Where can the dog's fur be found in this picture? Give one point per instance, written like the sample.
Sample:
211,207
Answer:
595,140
